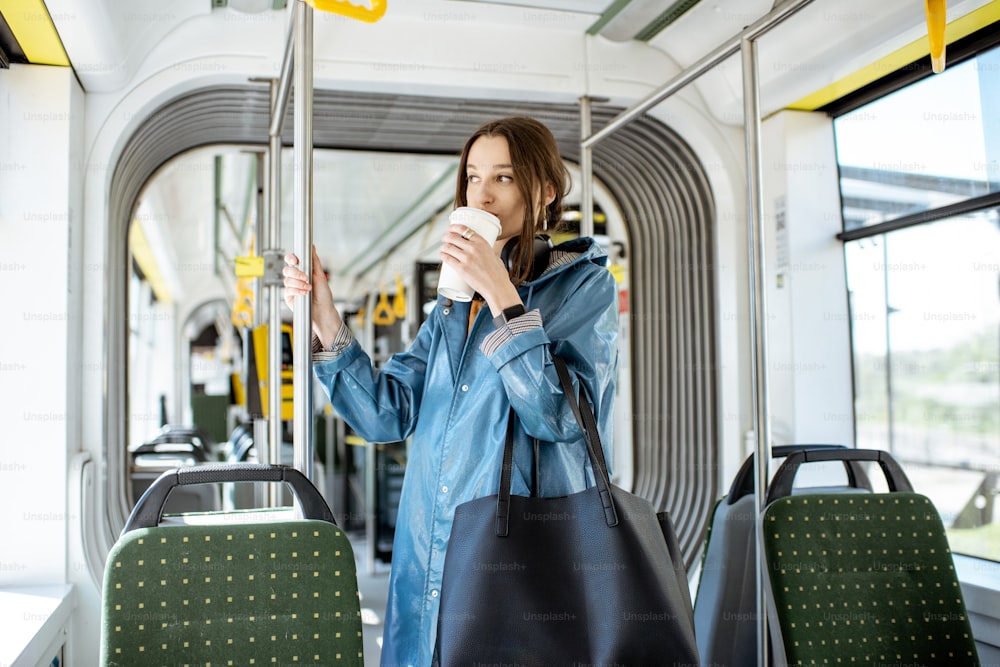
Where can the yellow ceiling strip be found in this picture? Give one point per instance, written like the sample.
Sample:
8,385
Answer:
957,29
143,255
32,26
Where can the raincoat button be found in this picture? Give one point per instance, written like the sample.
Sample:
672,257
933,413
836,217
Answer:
465,387
444,489
434,594
446,311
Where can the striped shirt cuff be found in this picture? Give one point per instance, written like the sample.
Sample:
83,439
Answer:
340,342
515,326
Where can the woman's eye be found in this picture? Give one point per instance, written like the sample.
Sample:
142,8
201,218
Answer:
472,178
504,178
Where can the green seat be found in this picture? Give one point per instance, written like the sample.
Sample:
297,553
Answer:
239,588
725,608
863,579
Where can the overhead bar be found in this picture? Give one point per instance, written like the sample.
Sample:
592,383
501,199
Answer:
302,433
723,51
412,221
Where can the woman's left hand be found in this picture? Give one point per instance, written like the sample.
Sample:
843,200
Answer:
479,265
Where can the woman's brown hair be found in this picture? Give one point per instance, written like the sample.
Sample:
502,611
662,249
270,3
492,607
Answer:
535,157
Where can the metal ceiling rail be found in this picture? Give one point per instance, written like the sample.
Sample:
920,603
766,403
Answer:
279,102
407,223
728,48
745,44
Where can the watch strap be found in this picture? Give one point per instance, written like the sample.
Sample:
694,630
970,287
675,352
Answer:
509,313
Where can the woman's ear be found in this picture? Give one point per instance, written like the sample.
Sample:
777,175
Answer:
549,193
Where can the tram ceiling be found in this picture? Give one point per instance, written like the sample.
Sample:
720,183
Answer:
107,42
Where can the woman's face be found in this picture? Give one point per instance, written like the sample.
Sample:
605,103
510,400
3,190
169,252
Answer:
490,184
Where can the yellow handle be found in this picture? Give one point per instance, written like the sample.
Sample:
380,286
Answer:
349,9
936,20
242,313
383,311
399,303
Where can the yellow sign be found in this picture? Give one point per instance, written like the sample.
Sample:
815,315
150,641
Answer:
249,267
351,10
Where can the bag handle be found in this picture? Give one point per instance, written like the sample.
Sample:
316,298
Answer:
591,437
149,509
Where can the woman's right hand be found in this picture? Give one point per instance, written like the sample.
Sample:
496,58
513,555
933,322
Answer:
325,318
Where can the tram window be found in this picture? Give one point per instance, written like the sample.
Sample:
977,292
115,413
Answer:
925,146
925,308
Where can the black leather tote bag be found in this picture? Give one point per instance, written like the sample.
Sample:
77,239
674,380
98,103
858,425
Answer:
594,577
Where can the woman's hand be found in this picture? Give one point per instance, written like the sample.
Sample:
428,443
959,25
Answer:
326,320
479,265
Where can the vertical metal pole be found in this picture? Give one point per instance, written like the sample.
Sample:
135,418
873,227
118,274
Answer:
890,417
303,200
758,328
259,230
260,424
272,453
586,171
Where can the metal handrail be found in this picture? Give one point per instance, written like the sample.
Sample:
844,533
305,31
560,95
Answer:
302,427
728,48
745,44
297,70
279,100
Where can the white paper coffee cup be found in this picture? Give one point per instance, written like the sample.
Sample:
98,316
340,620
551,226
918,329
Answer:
484,223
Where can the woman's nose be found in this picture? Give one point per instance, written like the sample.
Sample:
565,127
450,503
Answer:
480,196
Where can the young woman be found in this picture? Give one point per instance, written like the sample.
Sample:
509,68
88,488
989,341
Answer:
470,363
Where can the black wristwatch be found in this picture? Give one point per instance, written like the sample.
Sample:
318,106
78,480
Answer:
508,314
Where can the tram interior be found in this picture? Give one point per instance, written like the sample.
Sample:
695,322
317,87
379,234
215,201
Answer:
174,356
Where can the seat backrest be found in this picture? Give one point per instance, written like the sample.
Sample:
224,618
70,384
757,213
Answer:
868,578
261,587
726,602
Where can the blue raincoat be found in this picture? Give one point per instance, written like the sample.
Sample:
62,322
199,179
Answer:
452,392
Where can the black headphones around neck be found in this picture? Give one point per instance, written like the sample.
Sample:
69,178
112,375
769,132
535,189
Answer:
542,246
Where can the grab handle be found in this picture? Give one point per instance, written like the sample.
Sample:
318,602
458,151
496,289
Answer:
148,512
743,482
781,485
